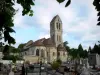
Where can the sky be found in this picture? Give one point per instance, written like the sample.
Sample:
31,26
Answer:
79,22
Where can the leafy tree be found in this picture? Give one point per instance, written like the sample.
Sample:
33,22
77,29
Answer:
7,13
66,46
21,46
73,52
80,50
6,50
78,53
96,3
85,54
14,59
96,49
55,65
89,50
67,4
59,61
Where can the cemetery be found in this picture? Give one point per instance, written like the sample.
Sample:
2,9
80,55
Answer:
51,39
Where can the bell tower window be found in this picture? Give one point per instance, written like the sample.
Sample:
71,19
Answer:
59,26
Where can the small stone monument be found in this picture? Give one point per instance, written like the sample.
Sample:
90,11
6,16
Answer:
85,71
11,72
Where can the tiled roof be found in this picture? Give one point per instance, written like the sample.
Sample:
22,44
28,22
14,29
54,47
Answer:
39,42
48,42
43,42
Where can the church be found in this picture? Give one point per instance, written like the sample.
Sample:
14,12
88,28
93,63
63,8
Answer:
47,50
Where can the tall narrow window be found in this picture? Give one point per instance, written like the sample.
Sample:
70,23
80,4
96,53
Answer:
53,53
57,38
58,53
47,54
59,26
42,53
63,53
37,52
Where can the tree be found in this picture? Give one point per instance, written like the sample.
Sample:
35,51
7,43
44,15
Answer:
7,13
55,65
96,49
85,54
59,61
67,4
80,50
96,3
73,52
21,46
66,46
89,50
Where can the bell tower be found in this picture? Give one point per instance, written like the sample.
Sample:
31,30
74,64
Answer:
56,30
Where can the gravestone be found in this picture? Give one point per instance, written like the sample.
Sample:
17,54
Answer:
85,71
11,73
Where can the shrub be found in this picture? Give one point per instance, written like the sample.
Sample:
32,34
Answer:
55,65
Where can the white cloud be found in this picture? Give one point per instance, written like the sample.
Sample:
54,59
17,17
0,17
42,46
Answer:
42,35
18,18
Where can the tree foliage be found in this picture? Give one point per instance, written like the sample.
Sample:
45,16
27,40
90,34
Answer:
78,53
67,4
89,50
55,65
66,46
7,12
96,49
21,46
96,3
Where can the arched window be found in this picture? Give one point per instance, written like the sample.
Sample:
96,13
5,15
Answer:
57,38
58,53
59,26
47,54
42,53
37,52
63,53
53,53
32,52
53,37
25,53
